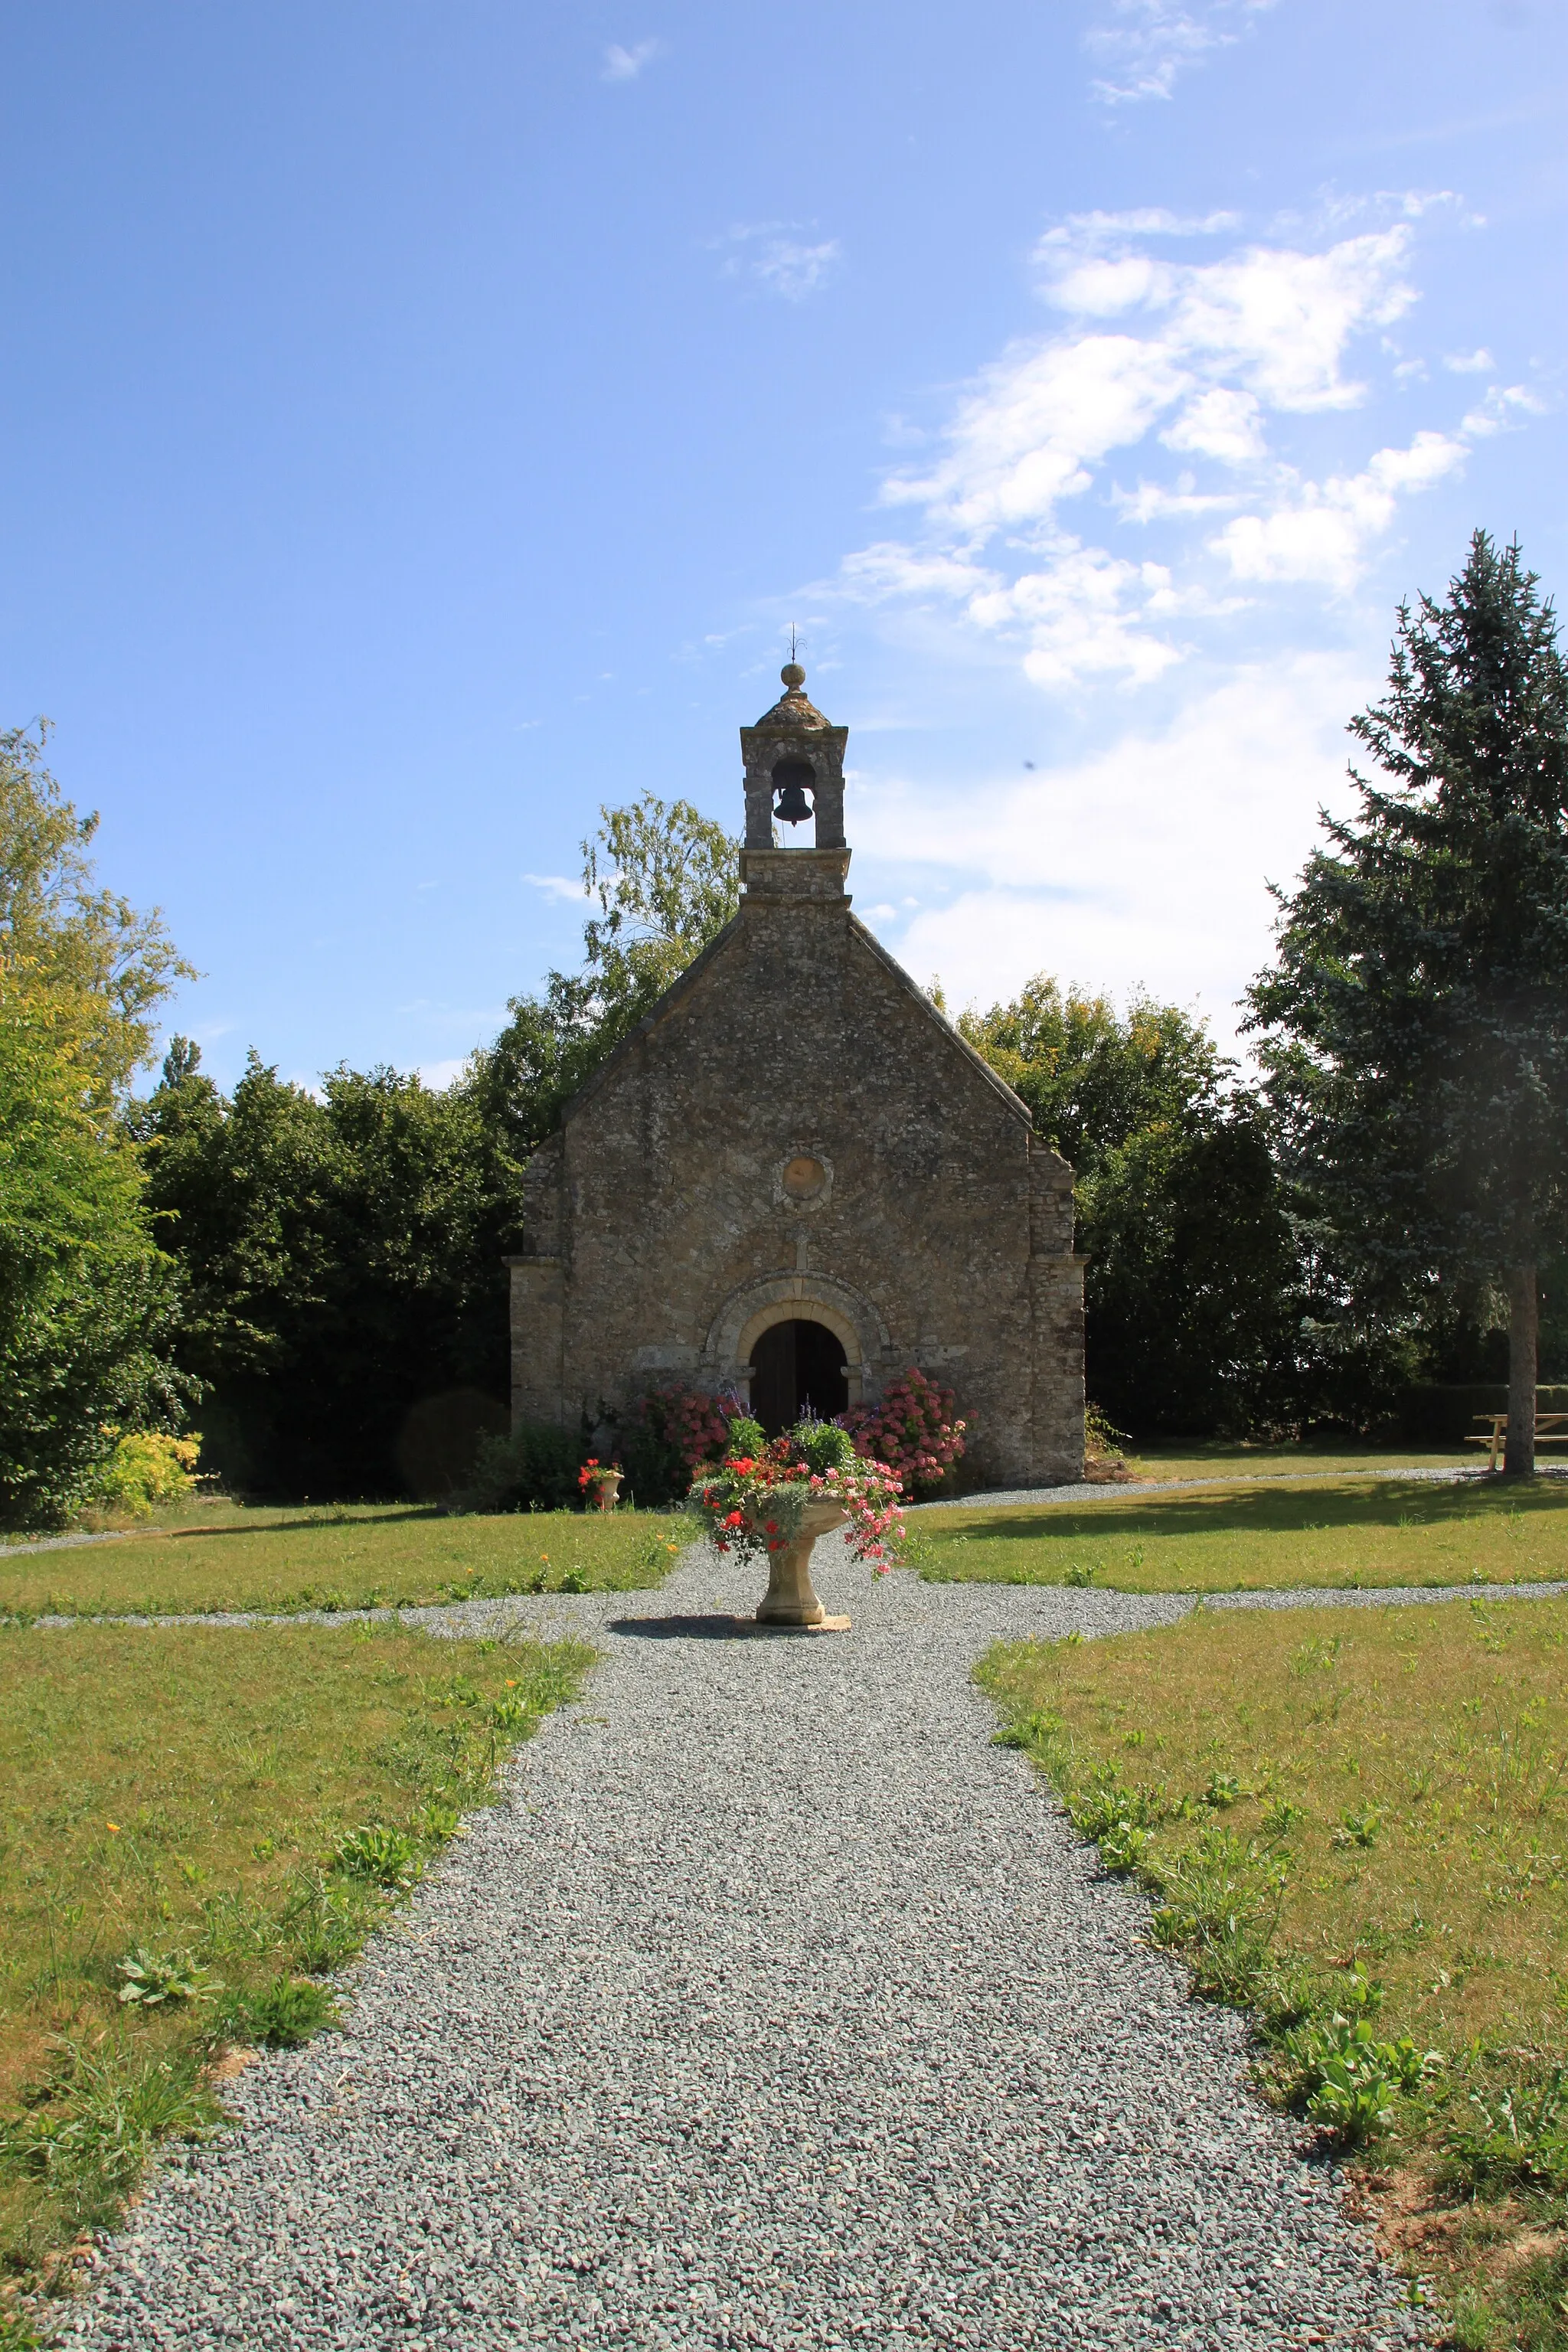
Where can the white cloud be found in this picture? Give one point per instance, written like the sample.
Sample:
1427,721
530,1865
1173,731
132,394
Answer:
1074,616
557,885
1200,365
1024,438
1477,363
1152,502
624,65
1223,423
772,254
1144,220
439,1076
1324,533
1144,44
1278,318
890,568
1502,406
1144,865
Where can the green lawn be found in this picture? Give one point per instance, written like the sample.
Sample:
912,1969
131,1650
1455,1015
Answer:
1360,1813
221,1556
241,1806
1349,1532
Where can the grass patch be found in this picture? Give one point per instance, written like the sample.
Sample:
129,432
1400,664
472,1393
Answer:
1347,1533
1355,1826
201,1823
225,1556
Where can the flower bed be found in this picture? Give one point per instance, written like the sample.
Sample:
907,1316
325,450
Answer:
912,1428
690,1420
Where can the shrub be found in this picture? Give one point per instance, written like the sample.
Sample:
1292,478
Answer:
911,1428
1102,1440
533,1468
147,1468
667,1435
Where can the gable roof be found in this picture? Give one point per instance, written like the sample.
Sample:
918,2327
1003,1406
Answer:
682,985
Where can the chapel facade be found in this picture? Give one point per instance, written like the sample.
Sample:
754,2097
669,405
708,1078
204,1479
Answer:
795,1178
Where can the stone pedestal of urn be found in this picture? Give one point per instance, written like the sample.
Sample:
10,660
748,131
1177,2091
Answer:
790,1598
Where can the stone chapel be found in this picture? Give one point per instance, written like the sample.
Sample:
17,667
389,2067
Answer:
796,1179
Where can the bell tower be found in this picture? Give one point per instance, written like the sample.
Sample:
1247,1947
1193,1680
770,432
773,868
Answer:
795,777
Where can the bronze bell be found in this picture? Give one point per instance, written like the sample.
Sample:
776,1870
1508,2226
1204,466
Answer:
790,778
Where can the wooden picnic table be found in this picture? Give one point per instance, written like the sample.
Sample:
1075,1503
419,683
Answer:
1549,1430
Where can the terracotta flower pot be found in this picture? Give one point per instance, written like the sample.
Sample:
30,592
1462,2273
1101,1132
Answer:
790,1598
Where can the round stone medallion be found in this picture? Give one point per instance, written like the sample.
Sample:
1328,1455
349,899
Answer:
803,1177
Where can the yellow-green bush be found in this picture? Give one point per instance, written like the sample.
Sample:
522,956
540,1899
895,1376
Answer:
148,1467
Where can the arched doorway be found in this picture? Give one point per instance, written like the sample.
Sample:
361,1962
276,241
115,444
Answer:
795,1365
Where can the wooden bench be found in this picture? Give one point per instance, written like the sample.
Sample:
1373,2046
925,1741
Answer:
1549,1430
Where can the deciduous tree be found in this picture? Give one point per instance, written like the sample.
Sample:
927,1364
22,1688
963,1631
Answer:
87,1302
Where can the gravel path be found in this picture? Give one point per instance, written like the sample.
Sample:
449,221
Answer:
1132,1489
775,2008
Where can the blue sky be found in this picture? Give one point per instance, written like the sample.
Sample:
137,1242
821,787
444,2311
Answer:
424,421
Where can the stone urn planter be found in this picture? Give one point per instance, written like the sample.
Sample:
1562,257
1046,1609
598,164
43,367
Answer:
790,1598
601,1488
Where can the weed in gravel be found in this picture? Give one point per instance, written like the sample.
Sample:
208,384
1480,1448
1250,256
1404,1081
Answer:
280,2014
322,1926
89,2125
1220,1900
384,1855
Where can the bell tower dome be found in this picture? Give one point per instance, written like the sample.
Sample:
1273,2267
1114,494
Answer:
795,768
795,777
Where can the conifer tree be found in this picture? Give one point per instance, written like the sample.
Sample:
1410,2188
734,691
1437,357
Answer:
1415,1020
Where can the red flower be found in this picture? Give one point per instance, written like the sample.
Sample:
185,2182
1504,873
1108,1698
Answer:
736,1519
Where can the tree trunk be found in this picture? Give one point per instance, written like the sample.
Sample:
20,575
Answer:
1523,1321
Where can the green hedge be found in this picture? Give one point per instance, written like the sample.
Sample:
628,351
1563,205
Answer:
1442,1414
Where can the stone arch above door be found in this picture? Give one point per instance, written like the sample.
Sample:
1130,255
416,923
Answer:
751,1309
